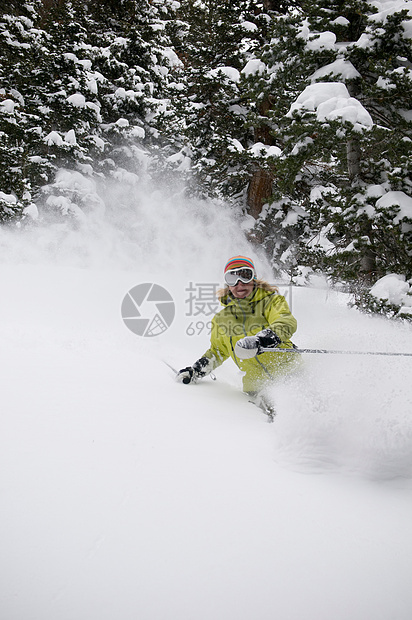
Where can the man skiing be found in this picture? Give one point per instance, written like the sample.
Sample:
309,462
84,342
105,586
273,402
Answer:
254,317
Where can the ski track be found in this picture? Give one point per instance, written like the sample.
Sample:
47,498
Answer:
126,495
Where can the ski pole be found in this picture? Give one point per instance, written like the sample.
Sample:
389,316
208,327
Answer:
297,350
171,367
211,374
185,380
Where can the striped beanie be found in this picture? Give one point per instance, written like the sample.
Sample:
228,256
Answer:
237,262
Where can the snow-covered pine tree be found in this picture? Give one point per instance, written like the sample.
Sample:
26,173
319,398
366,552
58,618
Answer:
378,208
360,225
22,165
213,40
275,74
79,87
345,140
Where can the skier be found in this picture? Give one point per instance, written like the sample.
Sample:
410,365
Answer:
254,317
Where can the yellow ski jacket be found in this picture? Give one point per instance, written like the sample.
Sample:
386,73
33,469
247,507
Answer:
245,317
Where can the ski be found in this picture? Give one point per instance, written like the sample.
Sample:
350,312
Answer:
267,408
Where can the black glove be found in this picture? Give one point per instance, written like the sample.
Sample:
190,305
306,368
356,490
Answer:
267,339
191,374
202,367
186,375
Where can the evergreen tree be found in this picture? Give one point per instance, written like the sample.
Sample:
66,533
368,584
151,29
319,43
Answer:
213,40
365,220
79,90
338,164
298,113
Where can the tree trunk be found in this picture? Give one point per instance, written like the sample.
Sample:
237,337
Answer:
368,265
259,190
260,184
368,259
353,155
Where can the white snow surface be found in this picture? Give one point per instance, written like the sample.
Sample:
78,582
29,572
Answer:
387,8
7,106
254,66
263,150
9,198
331,101
394,289
321,40
339,67
77,100
249,26
230,73
126,495
53,138
399,199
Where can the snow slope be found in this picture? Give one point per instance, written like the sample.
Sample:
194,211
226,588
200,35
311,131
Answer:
125,495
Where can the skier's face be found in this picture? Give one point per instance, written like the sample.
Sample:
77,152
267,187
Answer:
242,289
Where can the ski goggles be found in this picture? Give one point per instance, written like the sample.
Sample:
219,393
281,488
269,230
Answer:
244,274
